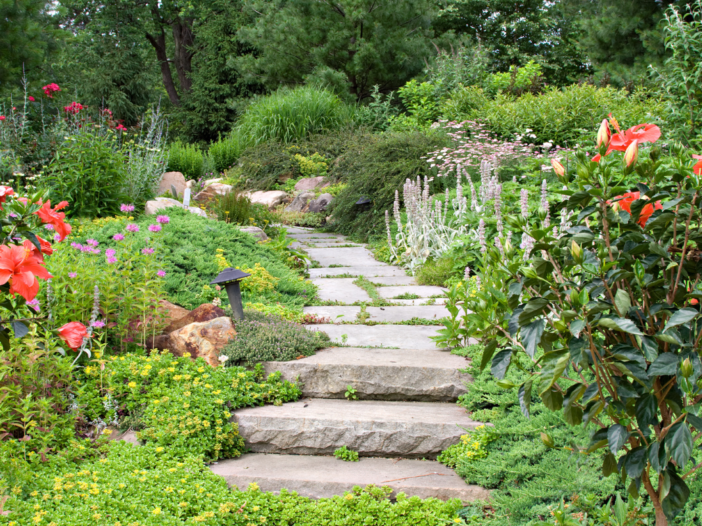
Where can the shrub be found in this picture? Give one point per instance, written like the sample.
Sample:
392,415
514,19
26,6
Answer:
88,171
187,159
148,485
566,116
189,248
226,152
464,103
290,115
182,405
435,272
264,338
235,207
376,168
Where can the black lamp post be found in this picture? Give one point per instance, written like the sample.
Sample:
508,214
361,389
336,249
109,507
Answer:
231,278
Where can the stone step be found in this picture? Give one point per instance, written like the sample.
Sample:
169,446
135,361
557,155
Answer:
421,301
370,271
324,244
423,291
324,477
317,426
398,336
338,313
378,374
340,290
385,281
353,256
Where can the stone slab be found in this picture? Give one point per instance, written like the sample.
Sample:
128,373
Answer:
377,270
324,477
336,313
421,301
340,290
355,256
305,234
386,281
423,291
345,244
399,336
378,374
317,426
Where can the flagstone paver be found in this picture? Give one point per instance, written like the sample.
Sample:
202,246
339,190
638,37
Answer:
406,387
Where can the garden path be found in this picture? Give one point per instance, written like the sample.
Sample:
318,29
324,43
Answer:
401,411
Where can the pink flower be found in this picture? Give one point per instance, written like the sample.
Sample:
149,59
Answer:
31,99
34,304
2,118
73,108
72,274
77,246
126,208
147,251
132,227
118,237
49,89
154,228
110,252
98,324
161,273
120,128
92,242
49,227
163,220
111,260
57,237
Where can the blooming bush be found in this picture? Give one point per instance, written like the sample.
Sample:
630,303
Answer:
178,403
607,313
471,447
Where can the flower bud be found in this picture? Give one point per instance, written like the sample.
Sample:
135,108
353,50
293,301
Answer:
686,368
603,134
631,153
558,168
547,440
576,251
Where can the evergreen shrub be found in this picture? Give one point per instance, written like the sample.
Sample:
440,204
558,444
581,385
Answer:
187,159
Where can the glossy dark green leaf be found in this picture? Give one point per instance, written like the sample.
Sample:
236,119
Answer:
531,336
695,421
635,462
617,436
500,363
576,327
513,324
654,456
552,399
650,348
609,464
525,398
665,365
4,338
487,353
573,415
646,410
677,496
679,443
620,324
532,309
20,329
680,317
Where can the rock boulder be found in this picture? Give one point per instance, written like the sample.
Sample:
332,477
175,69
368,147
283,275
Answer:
270,199
211,191
255,232
203,340
175,179
310,183
203,313
299,204
161,203
172,312
321,203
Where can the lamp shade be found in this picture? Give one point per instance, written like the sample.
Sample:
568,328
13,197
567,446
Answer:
229,274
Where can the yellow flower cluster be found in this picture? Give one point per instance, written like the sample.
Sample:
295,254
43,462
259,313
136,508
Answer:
260,280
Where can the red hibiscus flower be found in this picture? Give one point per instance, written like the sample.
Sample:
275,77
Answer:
73,334
622,140
20,267
624,201
4,192
55,218
46,248
697,169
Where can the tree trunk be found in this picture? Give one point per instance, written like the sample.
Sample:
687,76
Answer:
159,44
661,519
184,41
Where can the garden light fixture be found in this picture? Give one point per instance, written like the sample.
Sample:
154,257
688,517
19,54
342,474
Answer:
231,277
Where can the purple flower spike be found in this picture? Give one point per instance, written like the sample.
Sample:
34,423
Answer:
132,227
164,220
154,228
118,237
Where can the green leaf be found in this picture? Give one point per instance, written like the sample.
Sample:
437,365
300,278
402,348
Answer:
552,398
620,324
622,301
678,442
525,398
500,363
677,496
680,317
573,415
21,330
620,511
609,464
487,353
531,336
665,365
532,309
696,421
635,462
617,435
650,348
646,410
576,327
